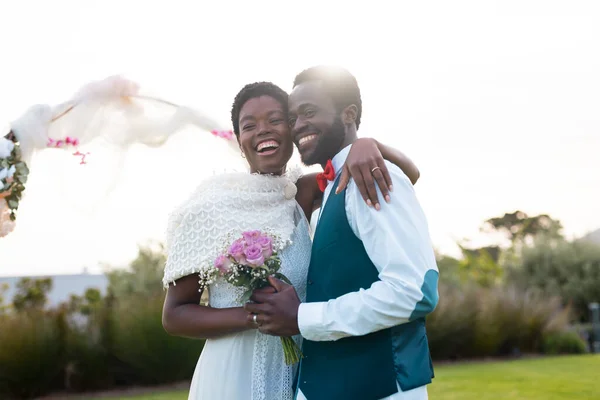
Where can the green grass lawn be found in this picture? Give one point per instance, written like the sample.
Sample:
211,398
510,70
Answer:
536,379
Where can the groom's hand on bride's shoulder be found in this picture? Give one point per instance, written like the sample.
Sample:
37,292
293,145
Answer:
277,312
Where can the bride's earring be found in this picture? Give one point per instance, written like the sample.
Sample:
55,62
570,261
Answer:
243,155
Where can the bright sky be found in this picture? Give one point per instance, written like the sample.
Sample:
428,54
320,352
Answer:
497,102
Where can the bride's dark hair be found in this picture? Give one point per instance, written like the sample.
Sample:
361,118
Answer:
252,91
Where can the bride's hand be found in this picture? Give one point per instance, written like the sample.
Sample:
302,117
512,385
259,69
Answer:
266,291
365,164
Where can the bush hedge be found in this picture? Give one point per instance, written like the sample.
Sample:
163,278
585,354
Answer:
472,322
119,344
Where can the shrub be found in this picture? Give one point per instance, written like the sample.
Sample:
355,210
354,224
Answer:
31,353
450,329
92,342
477,322
142,344
3,307
570,270
142,277
89,363
32,294
563,343
517,320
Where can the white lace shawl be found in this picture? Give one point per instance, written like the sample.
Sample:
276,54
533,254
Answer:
223,207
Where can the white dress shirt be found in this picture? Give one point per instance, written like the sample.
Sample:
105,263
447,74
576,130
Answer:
397,241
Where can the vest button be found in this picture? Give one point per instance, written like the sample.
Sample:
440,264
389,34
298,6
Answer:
309,282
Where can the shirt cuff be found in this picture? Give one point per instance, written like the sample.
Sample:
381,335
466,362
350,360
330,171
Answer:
310,321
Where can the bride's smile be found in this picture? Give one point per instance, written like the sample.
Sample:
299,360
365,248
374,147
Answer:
267,147
264,137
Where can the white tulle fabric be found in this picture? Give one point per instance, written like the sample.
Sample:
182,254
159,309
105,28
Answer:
31,130
112,110
220,209
110,114
105,119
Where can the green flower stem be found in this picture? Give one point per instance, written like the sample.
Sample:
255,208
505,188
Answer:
291,351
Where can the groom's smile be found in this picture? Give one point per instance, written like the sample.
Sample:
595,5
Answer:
306,139
306,142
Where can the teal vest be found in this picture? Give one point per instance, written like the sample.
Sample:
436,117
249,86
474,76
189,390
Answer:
361,367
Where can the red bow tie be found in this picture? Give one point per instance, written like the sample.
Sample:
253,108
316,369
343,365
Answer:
327,175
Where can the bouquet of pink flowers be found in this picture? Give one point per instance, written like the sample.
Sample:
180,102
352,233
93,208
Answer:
247,263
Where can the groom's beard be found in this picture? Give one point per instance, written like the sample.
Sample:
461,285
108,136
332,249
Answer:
328,144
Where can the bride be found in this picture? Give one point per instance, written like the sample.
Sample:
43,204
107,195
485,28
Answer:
238,362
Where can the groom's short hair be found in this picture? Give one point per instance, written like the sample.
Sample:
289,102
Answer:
338,83
252,91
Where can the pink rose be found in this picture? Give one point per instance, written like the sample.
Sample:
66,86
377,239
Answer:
254,255
251,236
236,250
266,244
222,263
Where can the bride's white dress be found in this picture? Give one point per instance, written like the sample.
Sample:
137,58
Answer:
250,365
246,365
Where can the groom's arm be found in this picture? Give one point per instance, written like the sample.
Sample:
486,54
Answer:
398,243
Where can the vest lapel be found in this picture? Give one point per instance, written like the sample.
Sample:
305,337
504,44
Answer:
323,207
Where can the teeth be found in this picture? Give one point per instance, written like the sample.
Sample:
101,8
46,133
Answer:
306,139
268,143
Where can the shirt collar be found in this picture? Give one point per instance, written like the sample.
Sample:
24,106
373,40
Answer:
340,158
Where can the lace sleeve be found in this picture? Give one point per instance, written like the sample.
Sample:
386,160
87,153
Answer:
180,260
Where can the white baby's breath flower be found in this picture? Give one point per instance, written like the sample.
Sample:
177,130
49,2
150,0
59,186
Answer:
6,147
3,173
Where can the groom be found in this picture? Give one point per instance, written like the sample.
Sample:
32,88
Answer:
373,275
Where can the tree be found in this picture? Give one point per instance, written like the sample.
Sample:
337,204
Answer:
520,228
3,289
32,294
143,277
481,265
86,304
570,270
